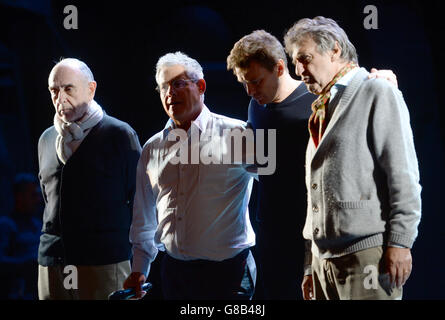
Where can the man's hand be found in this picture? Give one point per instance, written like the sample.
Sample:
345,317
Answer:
136,280
398,263
307,287
385,74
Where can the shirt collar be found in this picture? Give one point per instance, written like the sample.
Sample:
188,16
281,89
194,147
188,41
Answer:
344,81
200,122
202,119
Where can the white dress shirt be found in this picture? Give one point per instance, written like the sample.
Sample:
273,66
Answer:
191,211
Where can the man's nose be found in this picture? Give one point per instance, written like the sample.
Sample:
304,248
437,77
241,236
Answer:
250,89
170,90
299,69
60,97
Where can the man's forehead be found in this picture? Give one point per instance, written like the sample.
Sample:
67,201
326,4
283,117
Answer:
64,73
304,46
251,72
168,73
240,74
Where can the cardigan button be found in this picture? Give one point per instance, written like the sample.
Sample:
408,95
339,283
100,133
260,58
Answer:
314,186
315,208
316,231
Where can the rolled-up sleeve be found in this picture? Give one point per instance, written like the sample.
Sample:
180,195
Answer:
144,223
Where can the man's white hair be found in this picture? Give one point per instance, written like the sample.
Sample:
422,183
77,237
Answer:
192,68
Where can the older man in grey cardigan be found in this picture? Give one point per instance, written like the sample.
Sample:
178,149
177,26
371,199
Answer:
361,171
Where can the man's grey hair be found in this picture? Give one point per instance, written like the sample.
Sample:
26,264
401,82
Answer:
325,32
192,68
80,65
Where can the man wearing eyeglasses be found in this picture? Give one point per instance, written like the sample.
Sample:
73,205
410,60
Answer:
197,213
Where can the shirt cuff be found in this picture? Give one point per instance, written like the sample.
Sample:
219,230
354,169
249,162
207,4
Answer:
140,262
396,245
307,270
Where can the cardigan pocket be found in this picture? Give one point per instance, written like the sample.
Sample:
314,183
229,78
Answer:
353,204
357,218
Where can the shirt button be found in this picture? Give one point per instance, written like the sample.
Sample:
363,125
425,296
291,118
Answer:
315,208
314,186
316,230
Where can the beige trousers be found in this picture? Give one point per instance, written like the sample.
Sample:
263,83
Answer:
81,282
356,276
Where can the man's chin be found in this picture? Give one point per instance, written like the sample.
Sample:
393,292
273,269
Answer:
175,114
176,109
260,101
68,118
313,88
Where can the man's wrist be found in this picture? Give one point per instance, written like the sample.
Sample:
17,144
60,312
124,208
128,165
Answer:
396,245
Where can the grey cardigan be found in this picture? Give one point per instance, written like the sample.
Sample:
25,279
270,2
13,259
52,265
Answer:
363,179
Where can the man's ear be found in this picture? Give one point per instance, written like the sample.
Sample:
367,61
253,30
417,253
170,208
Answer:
92,85
201,86
281,67
336,52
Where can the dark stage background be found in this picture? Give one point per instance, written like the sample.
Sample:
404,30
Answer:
122,40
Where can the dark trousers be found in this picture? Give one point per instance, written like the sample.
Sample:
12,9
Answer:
229,279
280,262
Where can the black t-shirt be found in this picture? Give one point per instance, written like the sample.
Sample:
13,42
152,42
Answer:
282,195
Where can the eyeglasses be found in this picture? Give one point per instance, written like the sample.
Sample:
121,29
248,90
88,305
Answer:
176,84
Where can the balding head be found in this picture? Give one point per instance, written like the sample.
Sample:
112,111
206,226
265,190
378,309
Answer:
72,89
79,65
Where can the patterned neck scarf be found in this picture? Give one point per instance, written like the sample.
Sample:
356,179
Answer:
71,134
317,121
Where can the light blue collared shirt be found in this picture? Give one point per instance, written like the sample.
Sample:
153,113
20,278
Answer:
338,88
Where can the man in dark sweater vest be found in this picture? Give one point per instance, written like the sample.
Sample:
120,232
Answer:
87,170
280,103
